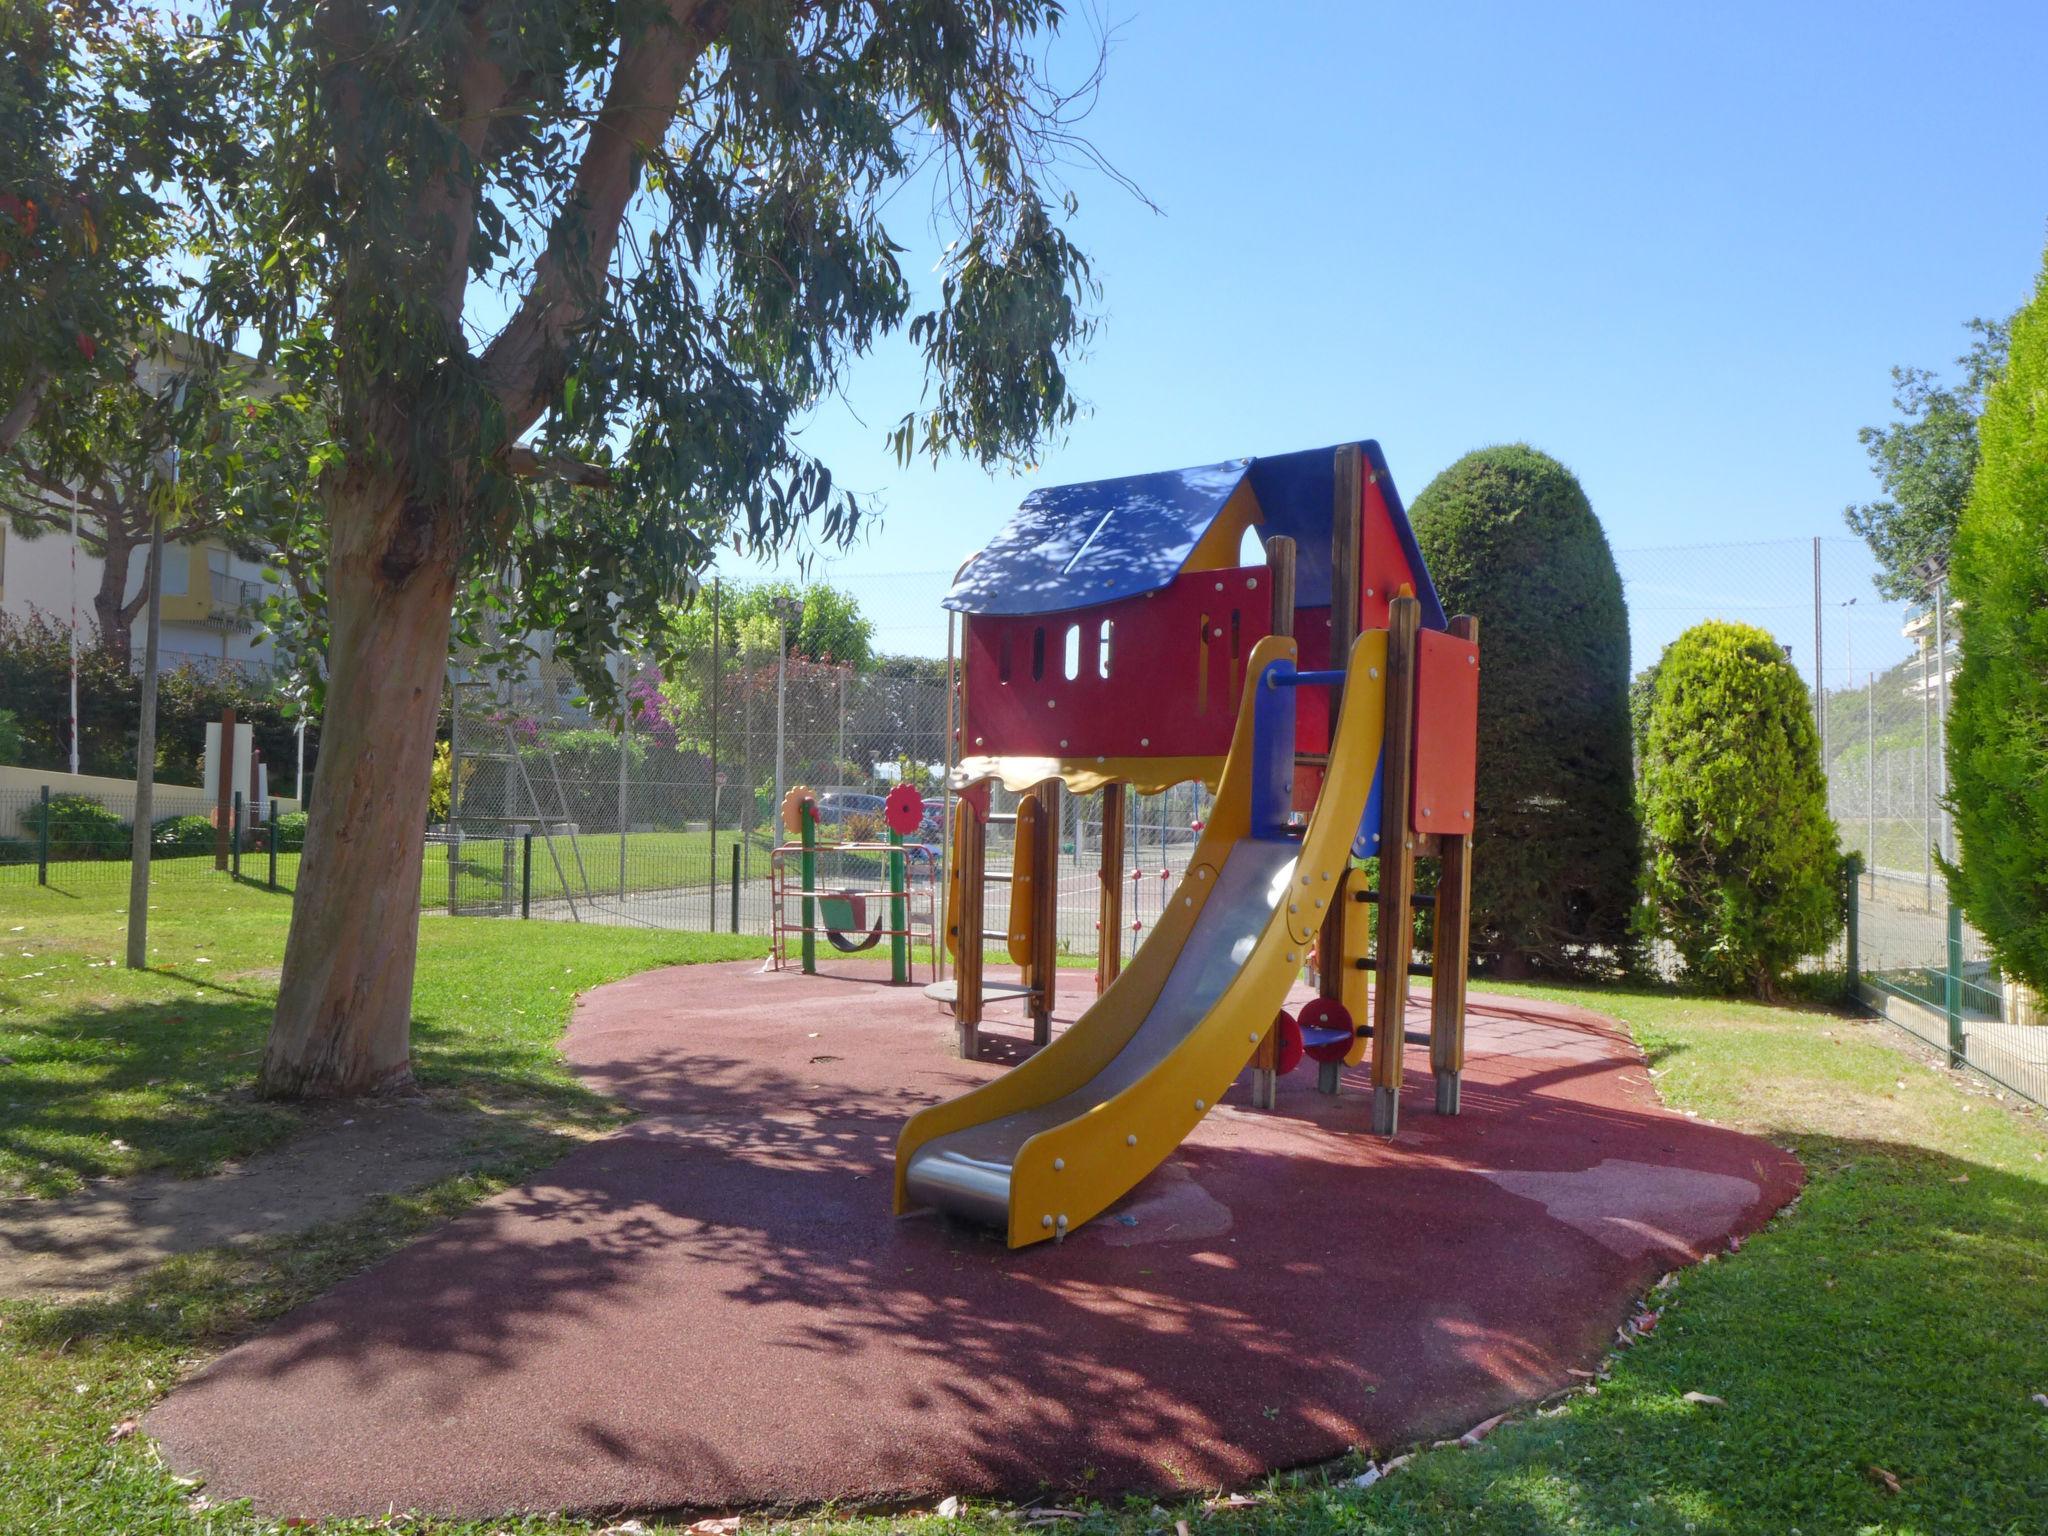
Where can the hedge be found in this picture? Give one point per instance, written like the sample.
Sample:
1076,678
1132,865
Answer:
1509,536
1998,709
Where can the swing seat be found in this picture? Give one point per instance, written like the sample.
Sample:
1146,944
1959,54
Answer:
844,912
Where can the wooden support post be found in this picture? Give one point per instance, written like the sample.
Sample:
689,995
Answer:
1397,868
1280,576
1043,972
1347,502
1266,1071
970,853
1450,948
1109,958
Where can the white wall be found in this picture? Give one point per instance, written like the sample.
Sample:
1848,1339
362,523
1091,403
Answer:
37,577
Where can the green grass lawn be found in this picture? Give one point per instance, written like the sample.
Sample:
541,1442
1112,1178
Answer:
1893,1324
478,874
111,1071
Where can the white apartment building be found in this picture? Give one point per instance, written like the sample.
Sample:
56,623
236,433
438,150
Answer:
211,603
212,597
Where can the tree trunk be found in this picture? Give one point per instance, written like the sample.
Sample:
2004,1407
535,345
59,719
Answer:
109,604
344,1006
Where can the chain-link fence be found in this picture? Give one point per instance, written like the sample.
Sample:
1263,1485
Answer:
671,821
1880,671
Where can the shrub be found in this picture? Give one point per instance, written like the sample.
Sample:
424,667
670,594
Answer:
80,828
11,743
35,682
291,830
1509,536
439,785
1998,714
1745,867
182,834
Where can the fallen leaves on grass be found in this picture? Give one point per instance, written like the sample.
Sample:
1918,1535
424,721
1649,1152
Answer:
949,1507
122,1430
1706,1399
1885,1480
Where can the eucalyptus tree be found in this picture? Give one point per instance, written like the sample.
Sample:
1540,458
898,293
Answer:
565,275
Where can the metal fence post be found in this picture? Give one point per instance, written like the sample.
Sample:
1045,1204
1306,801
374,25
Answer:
273,842
526,875
235,840
1952,986
43,841
1852,985
736,887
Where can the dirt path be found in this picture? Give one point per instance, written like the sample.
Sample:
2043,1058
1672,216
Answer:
57,1250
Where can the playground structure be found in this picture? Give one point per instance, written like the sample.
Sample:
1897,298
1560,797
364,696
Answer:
905,902
1112,641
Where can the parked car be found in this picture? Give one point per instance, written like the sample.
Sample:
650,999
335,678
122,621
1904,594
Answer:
835,805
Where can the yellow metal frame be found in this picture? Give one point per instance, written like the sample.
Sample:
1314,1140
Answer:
1077,1169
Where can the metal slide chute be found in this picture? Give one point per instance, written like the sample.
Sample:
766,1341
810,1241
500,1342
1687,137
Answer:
1059,1138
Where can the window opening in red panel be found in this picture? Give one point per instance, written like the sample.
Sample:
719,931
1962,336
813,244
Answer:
1102,648
1073,652
1038,654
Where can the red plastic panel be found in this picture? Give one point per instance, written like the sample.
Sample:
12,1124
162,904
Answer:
1446,732
1168,687
1382,563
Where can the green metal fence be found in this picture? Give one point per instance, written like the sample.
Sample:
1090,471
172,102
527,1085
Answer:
1920,966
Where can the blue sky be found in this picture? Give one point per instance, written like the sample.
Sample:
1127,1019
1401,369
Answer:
1678,250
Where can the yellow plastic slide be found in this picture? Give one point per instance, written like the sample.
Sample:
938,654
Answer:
1058,1139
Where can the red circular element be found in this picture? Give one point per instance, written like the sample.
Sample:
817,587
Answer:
1328,1016
904,810
1287,1041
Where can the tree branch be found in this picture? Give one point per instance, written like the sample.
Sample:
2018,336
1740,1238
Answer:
641,102
528,465
22,413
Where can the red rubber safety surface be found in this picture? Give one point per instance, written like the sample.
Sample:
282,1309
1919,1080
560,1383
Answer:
714,1309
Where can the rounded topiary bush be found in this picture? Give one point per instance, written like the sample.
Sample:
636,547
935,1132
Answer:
80,828
182,834
291,831
1509,536
1998,710
1744,860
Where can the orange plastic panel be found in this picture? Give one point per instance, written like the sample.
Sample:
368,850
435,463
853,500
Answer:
1446,732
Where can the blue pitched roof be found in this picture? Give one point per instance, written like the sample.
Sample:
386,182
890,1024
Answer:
1073,546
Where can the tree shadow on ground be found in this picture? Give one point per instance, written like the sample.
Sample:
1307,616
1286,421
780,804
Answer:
722,1310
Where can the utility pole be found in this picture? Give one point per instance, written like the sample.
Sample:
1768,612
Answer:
1926,779
625,742
1820,686
1941,712
781,703
74,631
139,849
